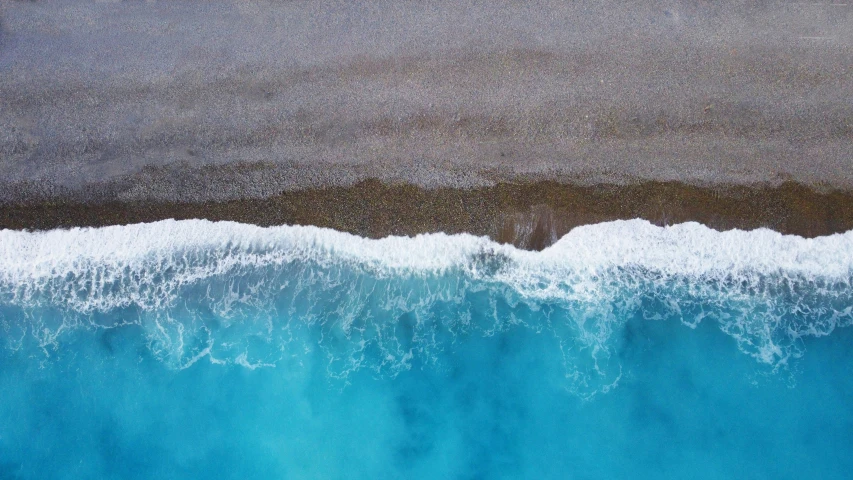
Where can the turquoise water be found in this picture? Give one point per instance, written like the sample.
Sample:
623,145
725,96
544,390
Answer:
201,350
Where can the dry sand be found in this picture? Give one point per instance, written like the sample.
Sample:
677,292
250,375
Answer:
183,104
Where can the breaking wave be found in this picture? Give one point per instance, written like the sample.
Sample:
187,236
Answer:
252,296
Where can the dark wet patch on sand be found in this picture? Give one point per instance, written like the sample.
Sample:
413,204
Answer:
530,215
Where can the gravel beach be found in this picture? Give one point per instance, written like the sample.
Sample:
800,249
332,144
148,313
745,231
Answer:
183,108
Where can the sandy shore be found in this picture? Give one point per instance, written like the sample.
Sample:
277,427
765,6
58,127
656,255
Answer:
114,112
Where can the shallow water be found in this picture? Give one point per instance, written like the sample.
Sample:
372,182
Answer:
192,349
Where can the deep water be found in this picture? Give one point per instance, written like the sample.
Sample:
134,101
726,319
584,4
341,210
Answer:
259,353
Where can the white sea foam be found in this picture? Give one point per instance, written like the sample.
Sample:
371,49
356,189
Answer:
756,285
145,264
685,249
693,249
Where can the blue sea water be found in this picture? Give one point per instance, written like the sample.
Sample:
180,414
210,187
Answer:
218,350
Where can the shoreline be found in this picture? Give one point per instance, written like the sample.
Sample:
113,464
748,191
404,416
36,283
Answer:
530,215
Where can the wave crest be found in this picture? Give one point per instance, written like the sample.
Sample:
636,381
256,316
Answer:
248,295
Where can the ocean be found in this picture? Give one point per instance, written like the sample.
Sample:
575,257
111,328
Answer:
193,349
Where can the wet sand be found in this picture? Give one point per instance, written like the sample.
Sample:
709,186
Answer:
529,215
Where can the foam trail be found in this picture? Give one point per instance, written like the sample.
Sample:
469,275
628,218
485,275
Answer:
686,249
165,274
601,243
624,350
